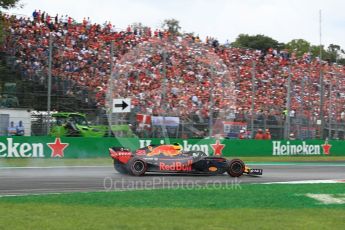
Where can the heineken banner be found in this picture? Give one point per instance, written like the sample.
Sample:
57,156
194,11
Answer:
79,147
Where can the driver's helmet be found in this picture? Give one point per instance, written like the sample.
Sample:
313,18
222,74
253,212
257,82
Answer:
177,146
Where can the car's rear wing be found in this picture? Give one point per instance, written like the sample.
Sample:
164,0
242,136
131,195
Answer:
120,154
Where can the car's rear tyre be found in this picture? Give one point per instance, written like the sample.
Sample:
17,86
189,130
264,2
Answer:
120,168
136,167
236,168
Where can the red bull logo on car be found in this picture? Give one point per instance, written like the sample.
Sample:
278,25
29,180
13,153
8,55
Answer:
176,166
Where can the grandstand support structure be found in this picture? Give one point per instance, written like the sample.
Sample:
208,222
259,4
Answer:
111,87
252,101
288,106
210,129
49,80
336,108
164,96
322,120
330,117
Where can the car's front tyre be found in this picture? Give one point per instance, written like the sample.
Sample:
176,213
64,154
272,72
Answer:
236,168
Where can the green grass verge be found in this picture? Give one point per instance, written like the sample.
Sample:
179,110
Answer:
25,162
250,206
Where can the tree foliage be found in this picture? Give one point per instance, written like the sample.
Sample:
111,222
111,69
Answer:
259,42
334,52
299,46
172,25
7,4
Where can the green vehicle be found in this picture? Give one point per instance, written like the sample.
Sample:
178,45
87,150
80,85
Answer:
66,124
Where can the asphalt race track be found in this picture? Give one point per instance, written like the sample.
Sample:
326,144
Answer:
21,181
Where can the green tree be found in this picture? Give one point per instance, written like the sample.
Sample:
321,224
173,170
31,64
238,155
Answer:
315,51
299,46
259,42
7,4
333,52
341,59
172,25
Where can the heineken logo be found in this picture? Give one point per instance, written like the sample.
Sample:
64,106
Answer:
289,149
57,148
12,149
326,148
217,148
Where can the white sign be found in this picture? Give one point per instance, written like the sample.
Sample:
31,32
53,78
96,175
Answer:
167,121
122,105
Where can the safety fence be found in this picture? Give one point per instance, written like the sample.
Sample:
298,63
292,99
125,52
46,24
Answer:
69,147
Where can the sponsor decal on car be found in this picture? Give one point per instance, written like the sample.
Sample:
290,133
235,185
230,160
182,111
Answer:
150,158
212,169
140,152
167,150
114,153
176,166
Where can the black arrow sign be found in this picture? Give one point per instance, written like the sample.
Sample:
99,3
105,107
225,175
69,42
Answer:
123,105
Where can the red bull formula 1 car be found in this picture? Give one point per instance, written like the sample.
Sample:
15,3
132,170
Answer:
171,159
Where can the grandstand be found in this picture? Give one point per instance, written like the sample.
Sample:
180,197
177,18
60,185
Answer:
202,83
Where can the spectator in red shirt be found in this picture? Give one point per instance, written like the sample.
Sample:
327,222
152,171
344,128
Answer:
259,135
267,135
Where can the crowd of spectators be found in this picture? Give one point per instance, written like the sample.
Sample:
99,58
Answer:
81,51
179,77
272,69
172,75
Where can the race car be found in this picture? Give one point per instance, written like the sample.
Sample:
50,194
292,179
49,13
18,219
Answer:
172,159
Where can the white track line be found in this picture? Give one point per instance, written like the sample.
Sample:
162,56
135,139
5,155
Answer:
30,194
307,182
27,192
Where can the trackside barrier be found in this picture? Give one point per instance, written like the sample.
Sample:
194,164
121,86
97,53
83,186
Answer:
79,147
